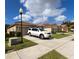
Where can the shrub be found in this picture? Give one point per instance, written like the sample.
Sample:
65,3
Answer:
18,34
6,35
12,34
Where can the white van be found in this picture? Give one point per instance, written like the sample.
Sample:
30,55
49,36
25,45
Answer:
40,32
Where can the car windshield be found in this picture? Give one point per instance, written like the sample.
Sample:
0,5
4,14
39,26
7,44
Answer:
42,29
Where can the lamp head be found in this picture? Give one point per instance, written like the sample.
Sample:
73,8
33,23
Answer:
20,10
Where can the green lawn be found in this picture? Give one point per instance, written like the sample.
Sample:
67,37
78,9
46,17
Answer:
26,43
58,36
52,55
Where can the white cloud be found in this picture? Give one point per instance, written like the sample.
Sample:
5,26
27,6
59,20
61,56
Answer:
72,20
54,12
25,17
44,8
39,20
17,17
60,18
22,1
38,7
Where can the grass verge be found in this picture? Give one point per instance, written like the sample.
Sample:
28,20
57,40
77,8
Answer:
26,43
58,36
52,55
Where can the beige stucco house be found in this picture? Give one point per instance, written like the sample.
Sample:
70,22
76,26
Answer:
16,27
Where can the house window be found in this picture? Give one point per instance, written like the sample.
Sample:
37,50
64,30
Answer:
18,28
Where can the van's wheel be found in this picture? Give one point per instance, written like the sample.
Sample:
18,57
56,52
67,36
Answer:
42,36
29,34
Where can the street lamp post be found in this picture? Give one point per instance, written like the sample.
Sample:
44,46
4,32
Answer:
21,12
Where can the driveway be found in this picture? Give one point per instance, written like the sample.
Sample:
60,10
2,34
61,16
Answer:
50,43
43,47
40,41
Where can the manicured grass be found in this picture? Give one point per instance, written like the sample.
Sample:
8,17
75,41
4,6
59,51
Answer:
58,36
52,55
26,43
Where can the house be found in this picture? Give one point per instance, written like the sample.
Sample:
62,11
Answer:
72,27
63,28
49,27
16,27
54,27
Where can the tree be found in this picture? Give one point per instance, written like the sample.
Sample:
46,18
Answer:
6,27
68,23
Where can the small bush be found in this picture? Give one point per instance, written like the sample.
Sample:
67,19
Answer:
6,39
6,35
18,34
12,34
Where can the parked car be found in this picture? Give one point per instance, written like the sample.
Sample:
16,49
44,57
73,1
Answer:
39,32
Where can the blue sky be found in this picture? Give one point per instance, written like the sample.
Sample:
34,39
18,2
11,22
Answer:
12,10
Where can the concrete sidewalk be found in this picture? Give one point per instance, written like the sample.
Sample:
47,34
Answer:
67,50
12,55
42,48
